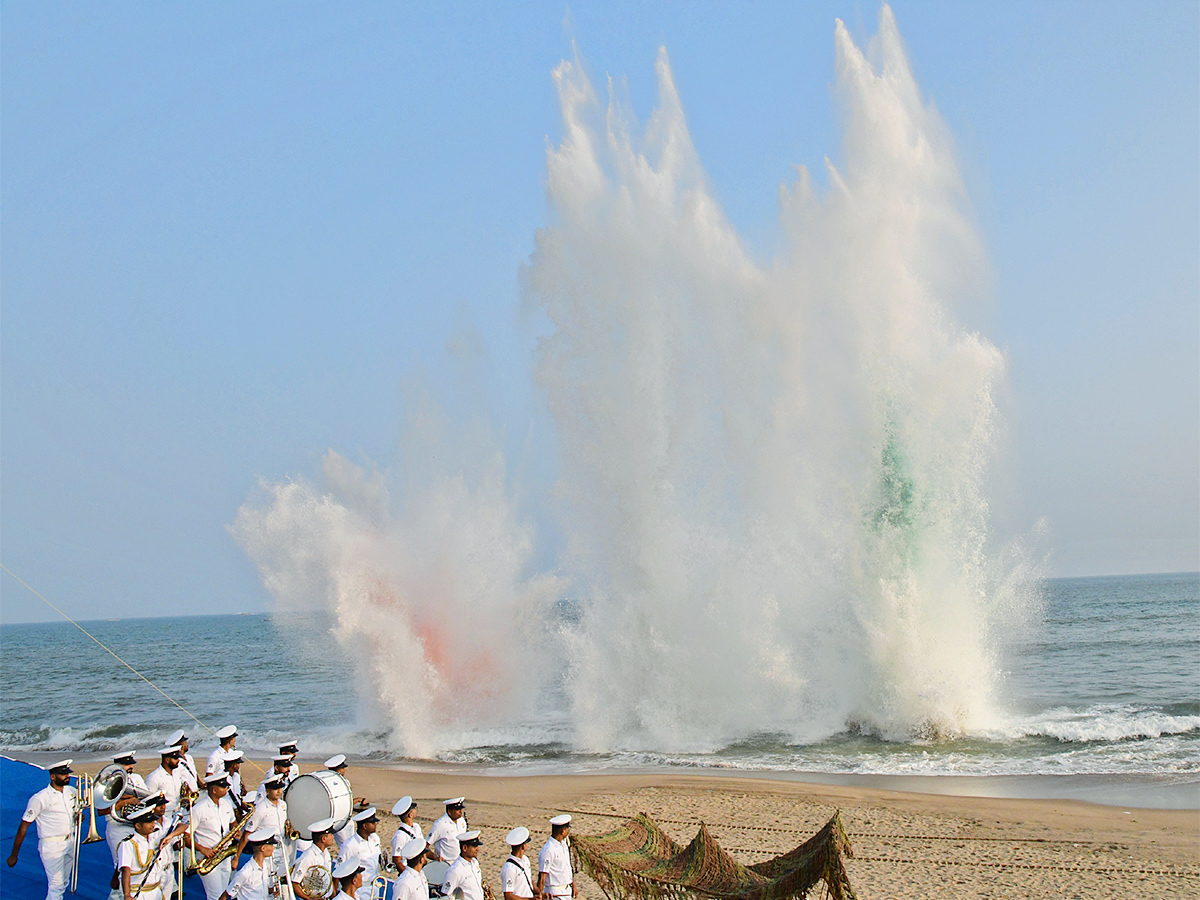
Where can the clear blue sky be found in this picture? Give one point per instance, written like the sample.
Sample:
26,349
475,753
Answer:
231,231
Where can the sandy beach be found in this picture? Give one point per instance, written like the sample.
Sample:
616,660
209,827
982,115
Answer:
906,845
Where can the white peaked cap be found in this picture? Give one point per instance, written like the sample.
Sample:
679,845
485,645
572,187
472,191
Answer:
169,748
469,836
176,738
346,868
227,732
517,836
414,848
216,778
334,761
263,834
368,813
125,754
322,825
234,756
61,764
402,806
454,801
564,819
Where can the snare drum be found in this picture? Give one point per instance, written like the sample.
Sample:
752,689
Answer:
316,796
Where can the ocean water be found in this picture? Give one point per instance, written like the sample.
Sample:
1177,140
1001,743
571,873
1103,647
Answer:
1108,688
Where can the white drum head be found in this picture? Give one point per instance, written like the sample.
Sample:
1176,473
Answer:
435,873
316,796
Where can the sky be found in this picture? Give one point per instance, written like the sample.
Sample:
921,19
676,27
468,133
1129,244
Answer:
231,235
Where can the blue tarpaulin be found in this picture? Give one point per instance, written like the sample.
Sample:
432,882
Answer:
27,880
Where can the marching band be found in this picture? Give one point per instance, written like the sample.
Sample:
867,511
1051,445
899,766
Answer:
174,822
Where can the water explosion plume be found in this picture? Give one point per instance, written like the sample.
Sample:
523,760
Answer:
770,476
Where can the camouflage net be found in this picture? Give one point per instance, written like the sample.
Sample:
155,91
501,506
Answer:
638,861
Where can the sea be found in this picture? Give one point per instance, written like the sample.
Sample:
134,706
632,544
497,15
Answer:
1103,704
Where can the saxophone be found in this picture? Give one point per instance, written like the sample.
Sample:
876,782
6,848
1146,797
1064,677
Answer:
225,847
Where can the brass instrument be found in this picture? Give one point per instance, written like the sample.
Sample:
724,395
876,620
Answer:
224,848
317,882
487,892
379,888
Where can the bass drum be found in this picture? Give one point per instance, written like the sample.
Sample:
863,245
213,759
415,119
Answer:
316,796
435,873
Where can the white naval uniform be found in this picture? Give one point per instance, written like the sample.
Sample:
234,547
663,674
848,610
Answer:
253,882
403,835
465,874
211,821
187,772
555,861
347,831
167,782
444,836
313,857
170,783
270,815
114,831
215,764
293,773
54,812
135,854
411,885
516,877
366,850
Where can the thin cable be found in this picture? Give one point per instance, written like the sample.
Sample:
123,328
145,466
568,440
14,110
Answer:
110,652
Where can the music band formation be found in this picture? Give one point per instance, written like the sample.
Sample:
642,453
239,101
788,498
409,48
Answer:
302,837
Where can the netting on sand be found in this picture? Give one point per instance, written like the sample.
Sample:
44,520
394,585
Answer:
639,861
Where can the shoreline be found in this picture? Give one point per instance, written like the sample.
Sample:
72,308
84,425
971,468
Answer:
1145,791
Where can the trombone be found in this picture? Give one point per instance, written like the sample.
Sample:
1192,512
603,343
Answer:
111,781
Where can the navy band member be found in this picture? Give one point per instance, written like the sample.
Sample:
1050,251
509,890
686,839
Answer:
443,836
55,809
555,878
213,816
349,877
259,878
464,873
412,883
143,872
226,738
516,876
187,766
364,847
407,830
319,855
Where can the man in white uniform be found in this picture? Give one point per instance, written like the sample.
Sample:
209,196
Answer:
464,873
280,771
167,778
443,835
212,817
143,874
364,847
270,813
555,878
55,809
290,749
406,831
412,883
317,856
135,788
226,738
258,879
187,765
349,877
233,768
516,877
